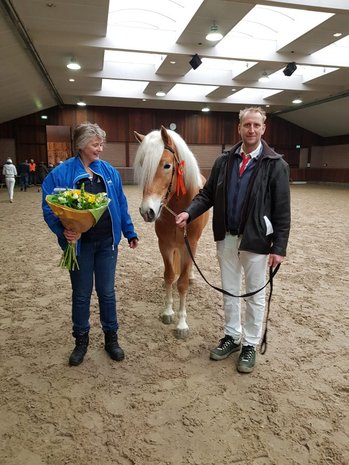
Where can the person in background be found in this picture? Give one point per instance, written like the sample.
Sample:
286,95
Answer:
23,171
32,172
97,249
42,172
10,172
248,189
50,167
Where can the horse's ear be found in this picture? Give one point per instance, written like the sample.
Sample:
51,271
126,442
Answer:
164,135
139,137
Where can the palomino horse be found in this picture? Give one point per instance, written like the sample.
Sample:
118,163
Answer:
169,175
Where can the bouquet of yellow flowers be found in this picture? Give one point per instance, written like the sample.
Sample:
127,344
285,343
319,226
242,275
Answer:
78,211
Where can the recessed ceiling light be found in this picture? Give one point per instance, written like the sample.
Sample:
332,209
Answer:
233,90
43,116
81,103
205,109
71,80
172,62
337,34
160,93
297,100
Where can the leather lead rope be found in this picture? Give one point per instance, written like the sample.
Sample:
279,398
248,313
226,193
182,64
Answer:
272,273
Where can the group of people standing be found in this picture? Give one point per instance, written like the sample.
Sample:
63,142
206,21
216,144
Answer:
248,189
29,173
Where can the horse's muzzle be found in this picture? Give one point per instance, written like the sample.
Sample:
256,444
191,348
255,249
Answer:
148,215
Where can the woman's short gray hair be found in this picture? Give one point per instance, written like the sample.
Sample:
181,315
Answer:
84,133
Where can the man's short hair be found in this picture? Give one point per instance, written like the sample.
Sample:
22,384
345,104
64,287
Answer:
259,110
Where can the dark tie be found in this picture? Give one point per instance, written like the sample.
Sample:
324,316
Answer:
245,159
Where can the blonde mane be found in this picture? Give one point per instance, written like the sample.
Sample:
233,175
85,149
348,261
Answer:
149,154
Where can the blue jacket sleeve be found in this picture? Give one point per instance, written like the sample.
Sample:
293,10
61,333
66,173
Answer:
51,219
126,221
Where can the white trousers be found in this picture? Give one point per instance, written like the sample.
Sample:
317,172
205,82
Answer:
10,184
232,263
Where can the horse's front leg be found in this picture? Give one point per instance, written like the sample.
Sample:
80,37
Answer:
169,277
182,330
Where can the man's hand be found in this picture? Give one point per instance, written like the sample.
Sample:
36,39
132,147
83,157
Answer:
275,260
181,219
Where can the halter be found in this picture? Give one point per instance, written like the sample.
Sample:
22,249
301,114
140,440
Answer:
176,159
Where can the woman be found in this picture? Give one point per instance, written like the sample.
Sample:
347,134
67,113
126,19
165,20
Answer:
97,249
10,172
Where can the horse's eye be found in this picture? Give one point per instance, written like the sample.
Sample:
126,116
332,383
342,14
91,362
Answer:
167,166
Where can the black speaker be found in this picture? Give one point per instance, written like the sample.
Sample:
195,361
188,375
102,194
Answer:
290,69
195,62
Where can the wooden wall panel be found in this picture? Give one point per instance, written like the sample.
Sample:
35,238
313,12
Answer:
333,156
213,130
115,154
206,154
7,150
133,147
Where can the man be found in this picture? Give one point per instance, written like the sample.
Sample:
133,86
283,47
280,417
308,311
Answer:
23,171
32,172
249,190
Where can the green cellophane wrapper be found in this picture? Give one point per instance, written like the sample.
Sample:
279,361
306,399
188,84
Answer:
78,221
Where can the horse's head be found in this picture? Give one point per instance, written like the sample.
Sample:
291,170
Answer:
156,170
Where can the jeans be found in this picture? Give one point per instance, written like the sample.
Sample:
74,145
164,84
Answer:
24,181
232,264
96,260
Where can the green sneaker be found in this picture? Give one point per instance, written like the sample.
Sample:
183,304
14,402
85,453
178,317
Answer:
247,359
225,347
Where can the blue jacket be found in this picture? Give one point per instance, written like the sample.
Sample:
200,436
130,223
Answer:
67,175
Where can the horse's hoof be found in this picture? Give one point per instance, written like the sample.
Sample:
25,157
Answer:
182,333
167,319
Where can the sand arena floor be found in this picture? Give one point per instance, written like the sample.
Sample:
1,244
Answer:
167,403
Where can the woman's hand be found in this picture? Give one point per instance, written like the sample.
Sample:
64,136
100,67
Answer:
133,243
71,236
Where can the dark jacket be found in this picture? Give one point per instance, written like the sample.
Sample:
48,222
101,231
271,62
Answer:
267,198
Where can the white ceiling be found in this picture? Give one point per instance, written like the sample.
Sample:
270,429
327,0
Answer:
38,38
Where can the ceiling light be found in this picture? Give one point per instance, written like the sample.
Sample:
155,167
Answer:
43,116
71,80
337,34
264,77
290,69
297,100
73,64
160,93
81,103
214,35
172,62
205,109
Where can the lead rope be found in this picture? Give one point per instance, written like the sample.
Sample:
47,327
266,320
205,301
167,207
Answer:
272,273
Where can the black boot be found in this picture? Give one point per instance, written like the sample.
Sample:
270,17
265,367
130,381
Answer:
78,354
112,346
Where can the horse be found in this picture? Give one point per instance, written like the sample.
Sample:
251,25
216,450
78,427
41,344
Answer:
169,175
